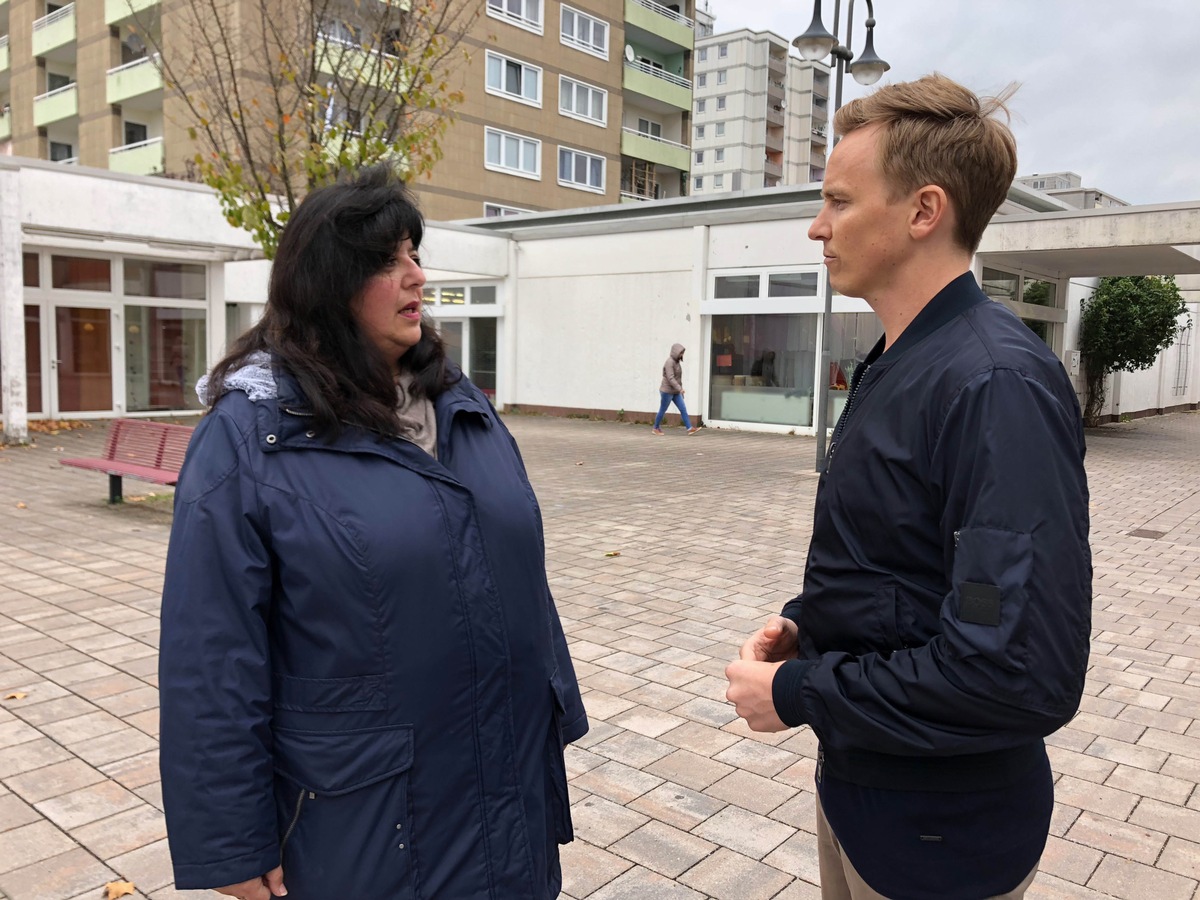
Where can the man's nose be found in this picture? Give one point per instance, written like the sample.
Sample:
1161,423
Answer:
818,231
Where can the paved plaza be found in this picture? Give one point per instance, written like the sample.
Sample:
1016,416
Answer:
673,798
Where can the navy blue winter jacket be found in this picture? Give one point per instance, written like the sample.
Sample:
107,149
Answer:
363,673
947,596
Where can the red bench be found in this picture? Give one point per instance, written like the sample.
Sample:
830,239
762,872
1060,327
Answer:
139,448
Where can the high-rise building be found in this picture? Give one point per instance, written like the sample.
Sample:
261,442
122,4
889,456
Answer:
761,115
567,104
1068,187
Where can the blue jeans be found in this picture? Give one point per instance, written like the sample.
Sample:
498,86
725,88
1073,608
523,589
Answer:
666,400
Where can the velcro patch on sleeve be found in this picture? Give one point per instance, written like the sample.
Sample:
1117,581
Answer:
979,603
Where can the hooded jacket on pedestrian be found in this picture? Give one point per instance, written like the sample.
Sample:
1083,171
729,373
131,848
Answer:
363,674
672,374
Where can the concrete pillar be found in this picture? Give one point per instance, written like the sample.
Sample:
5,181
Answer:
12,311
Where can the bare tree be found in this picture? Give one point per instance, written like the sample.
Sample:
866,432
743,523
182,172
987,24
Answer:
280,96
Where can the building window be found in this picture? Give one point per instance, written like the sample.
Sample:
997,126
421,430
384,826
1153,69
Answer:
699,157
495,210
580,170
699,132
60,152
720,103
513,78
720,129
29,270
649,127
699,182
762,368
523,13
721,154
722,50
699,106
702,80
512,153
56,82
584,32
718,181
722,76
702,54
165,354
79,273
792,284
582,101
135,133
175,281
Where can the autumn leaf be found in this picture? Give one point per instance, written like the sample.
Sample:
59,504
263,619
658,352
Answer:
16,695
118,889
21,505
613,553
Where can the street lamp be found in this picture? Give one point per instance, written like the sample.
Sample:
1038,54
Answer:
814,45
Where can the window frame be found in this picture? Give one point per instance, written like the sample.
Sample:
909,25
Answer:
525,69
500,167
575,185
537,26
574,43
571,114
506,210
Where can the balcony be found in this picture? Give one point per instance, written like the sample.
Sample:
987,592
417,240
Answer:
657,150
772,169
5,125
774,140
820,133
142,158
657,26
342,56
135,79
774,116
669,91
4,53
54,31
117,11
56,105
631,197
777,64
816,159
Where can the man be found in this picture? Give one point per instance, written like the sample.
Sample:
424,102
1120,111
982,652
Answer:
943,627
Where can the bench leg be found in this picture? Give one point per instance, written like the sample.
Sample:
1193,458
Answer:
115,494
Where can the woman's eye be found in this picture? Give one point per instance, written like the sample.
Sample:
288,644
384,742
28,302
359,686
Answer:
416,258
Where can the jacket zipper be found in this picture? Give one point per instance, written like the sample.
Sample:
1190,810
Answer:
295,819
859,377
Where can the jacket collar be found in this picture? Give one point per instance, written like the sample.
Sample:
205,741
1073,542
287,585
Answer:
947,304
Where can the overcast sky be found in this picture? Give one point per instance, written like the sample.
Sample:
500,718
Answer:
1110,89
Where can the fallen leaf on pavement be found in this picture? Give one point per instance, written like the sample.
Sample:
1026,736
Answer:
16,695
21,505
613,553
119,889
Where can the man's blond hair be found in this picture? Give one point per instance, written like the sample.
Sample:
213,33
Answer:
935,131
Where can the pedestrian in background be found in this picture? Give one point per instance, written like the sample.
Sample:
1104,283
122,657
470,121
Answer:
671,391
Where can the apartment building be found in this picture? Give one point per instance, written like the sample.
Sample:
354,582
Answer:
567,104
761,115
1068,187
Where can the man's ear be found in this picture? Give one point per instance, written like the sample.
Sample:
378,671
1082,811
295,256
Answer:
930,212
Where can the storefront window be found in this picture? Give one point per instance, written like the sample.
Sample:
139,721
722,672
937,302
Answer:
1039,293
79,273
762,368
454,295
165,352
735,287
29,265
850,340
484,293
174,281
794,284
1000,285
483,353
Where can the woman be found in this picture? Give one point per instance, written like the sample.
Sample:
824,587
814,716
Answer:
365,687
670,390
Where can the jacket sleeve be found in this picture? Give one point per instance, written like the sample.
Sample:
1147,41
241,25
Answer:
673,373
214,669
1009,662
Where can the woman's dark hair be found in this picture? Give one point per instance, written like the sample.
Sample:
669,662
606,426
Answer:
337,239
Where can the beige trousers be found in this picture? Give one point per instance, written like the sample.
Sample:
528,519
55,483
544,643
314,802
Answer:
839,880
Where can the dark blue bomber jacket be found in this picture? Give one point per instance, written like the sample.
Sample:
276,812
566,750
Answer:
363,673
946,607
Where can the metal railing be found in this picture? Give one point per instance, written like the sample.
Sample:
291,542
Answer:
69,161
664,11
629,195
655,137
658,73
57,16
4,41
55,92
152,58
146,143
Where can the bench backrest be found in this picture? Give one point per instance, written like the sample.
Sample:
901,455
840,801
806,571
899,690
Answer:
148,443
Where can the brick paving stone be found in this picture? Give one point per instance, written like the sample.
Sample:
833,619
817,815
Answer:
1181,857
1068,860
642,884
746,832
663,849
1050,887
602,822
1115,837
703,740
690,769
633,749
729,876
797,856
677,805
1150,784
1103,800
1169,819
799,812
123,832
148,867
799,890
54,780
1133,881
649,722
15,812
87,804
29,756
759,758
587,868
32,843
752,792
57,878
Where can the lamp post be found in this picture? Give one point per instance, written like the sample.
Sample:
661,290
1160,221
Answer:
814,45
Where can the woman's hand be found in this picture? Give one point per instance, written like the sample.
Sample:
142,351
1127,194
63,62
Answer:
262,888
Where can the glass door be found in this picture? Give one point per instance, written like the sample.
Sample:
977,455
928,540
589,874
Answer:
82,364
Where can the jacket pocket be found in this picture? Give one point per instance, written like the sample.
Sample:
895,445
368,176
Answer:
558,800
343,806
354,694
